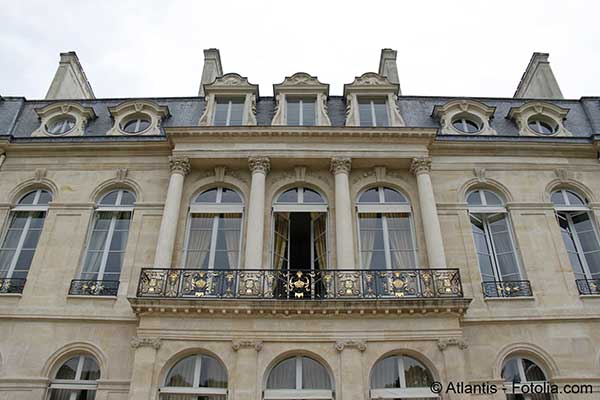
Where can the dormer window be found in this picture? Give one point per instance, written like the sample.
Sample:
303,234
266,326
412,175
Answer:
229,111
63,119
465,125
136,125
539,118
541,127
301,112
464,116
373,112
137,117
60,125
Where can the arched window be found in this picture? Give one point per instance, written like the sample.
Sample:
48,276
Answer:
495,246
214,230
581,239
299,377
197,377
300,230
519,371
399,377
106,245
75,379
21,239
386,234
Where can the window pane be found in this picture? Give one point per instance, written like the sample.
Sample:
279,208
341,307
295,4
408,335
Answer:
492,199
381,112
68,369
24,260
65,394
283,376
230,196
127,199
364,113
212,373
310,196
90,370
210,196
221,113
314,375
533,373
370,196
574,199
45,198
110,199
182,374
482,249
510,371
289,196
416,375
393,196
293,112
28,198
557,198
308,113
474,199
237,112
385,374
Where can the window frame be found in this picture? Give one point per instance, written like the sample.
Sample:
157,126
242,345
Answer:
522,376
371,100
194,389
229,101
402,392
76,384
301,101
298,393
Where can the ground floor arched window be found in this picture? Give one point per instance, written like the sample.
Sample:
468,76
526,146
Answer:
196,377
401,377
75,379
299,378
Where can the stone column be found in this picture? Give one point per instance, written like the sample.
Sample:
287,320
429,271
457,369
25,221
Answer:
344,239
180,167
421,167
245,376
453,350
142,387
260,167
352,369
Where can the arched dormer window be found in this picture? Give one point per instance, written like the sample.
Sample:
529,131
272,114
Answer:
538,118
400,377
580,235
76,379
386,232
301,101
459,117
195,377
214,230
300,378
230,101
106,246
137,117
63,119
495,245
518,372
21,238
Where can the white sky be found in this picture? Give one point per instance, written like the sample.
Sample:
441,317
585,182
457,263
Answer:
154,48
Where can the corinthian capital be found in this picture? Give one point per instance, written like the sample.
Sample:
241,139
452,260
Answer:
179,165
341,165
259,164
420,165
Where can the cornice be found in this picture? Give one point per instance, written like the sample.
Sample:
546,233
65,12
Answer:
513,148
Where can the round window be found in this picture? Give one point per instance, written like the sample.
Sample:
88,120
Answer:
541,127
136,125
60,125
466,125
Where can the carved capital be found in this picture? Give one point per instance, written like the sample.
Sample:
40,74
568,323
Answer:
137,342
179,165
259,164
420,165
360,345
241,344
341,165
443,344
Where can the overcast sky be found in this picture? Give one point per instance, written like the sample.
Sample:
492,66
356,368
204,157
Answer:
154,48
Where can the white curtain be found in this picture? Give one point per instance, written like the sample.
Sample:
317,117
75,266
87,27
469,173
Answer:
212,374
385,374
281,239
199,240
505,252
401,241
314,375
96,246
368,225
232,228
283,376
319,221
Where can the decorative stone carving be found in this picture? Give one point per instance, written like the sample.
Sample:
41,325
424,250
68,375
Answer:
179,165
341,165
420,165
475,111
241,344
360,345
39,174
443,344
134,109
561,174
220,173
300,173
137,342
371,84
56,111
548,113
479,174
259,164
230,85
380,173
121,174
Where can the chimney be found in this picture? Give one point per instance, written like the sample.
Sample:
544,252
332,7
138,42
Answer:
388,66
538,81
69,80
212,68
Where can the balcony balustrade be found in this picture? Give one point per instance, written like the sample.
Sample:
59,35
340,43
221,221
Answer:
87,287
12,285
588,286
506,289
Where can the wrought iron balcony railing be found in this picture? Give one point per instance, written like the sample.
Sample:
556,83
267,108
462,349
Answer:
506,289
87,287
300,284
12,285
588,286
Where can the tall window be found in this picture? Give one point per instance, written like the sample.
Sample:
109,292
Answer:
517,372
299,378
300,230
214,230
581,238
386,239
229,111
399,377
494,243
301,112
197,377
373,112
21,239
108,239
76,379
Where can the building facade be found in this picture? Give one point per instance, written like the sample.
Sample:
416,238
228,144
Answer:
300,246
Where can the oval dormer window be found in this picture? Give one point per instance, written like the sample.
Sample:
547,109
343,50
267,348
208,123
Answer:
541,127
61,125
466,125
136,125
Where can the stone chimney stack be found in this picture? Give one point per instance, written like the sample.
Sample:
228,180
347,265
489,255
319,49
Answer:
69,80
212,68
388,67
538,81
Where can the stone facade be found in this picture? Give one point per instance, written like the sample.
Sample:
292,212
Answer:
136,337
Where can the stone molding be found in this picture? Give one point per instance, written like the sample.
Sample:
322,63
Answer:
360,345
443,344
246,344
137,342
420,165
179,165
259,164
341,165
55,111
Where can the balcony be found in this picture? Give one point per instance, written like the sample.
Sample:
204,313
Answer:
11,285
506,289
87,287
588,286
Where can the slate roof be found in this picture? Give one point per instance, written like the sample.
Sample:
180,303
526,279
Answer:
18,117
